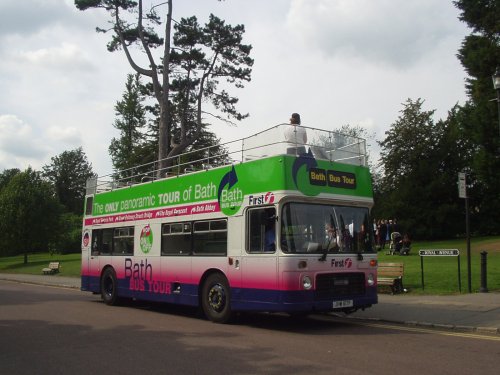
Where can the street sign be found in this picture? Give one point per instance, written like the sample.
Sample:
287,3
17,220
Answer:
462,190
439,253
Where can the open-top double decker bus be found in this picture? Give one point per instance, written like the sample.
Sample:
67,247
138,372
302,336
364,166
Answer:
242,231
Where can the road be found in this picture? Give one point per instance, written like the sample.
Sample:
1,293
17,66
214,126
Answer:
47,330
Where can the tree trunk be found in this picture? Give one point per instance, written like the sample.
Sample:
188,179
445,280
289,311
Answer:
163,143
162,97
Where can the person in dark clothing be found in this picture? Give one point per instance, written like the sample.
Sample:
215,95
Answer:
406,245
383,233
270,229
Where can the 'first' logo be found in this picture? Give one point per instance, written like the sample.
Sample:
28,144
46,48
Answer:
267,198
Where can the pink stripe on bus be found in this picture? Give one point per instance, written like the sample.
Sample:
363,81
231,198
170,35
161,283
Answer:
194,209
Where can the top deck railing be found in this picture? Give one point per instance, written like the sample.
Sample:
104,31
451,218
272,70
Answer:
277,140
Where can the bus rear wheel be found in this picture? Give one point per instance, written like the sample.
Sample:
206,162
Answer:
109,287
216,299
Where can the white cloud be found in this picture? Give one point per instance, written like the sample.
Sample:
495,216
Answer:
19,144
66,135
29,16
393,32
10,124
67,55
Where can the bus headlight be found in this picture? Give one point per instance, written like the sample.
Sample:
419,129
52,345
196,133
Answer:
307,283
371,279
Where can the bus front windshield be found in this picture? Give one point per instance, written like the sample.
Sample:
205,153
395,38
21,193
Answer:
320,228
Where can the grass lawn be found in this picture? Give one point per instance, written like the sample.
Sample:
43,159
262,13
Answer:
440,273
70,264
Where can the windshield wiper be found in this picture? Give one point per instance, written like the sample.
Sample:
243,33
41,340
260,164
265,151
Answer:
330,225
325,250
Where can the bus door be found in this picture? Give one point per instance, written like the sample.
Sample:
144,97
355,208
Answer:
102,242
86,253
259,267
235,247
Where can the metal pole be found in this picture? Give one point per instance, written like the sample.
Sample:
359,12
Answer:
422,270
484,283
498,103
467,230
459,275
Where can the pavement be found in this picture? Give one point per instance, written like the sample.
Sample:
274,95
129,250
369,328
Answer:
473,312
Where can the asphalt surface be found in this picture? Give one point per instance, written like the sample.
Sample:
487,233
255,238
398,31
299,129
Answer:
475,312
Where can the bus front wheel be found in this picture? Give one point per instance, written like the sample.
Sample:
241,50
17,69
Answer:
109,287
216,299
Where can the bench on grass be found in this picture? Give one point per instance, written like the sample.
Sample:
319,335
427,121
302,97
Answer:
391,274
53,267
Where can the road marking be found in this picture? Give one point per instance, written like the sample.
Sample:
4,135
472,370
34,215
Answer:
426,330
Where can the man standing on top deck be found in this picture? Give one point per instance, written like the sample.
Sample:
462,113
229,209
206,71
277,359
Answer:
295,133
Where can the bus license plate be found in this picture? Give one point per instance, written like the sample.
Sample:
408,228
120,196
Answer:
343,303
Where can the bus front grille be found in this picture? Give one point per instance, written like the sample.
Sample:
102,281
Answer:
332,285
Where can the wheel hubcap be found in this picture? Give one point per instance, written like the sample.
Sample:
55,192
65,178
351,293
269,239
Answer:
217,298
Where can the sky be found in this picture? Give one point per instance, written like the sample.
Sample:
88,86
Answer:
335,62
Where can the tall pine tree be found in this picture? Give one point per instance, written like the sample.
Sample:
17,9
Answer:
480,56
127,150
197,57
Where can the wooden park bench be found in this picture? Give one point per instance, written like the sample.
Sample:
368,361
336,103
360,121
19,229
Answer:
53,267
391,274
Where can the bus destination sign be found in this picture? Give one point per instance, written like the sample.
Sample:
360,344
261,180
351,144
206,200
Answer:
439,252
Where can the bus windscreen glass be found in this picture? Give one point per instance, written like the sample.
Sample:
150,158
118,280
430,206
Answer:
314,228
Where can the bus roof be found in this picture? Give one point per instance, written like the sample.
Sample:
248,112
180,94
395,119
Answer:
281,139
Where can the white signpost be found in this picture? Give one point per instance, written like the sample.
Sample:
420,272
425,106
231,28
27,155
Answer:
462,189
440,253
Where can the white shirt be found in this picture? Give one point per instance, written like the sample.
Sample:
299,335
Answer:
295,134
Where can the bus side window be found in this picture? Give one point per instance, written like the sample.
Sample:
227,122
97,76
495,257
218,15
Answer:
210,237
107,241
261,230
176,239
102,241
88,205
123,241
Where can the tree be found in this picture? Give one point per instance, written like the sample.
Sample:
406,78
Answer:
134,150
206,149
480,56
29,213
68,172
69,234
421,159
126,151
199,59
356,131
6,176
347,137
203,56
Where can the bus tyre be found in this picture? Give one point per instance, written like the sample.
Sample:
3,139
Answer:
216,298
109,287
